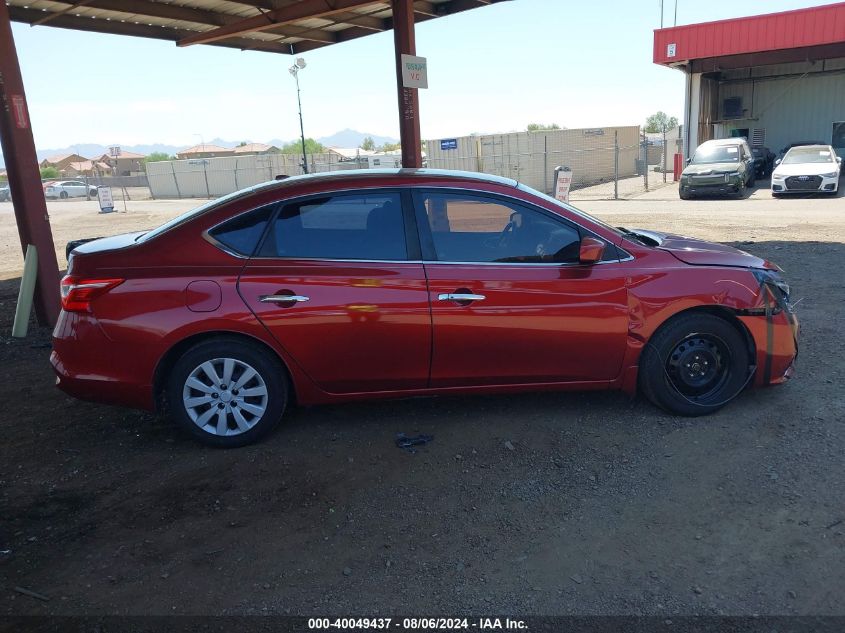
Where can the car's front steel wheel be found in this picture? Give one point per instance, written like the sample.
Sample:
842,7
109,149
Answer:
227,392
695,364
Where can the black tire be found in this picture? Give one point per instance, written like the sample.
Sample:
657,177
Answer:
269,369
692,339
683,196
93,193
741,191
775,195
63,195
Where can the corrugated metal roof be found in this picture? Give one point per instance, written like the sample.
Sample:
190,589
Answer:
276,26
802,28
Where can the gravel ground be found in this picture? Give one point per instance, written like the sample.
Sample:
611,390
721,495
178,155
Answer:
532,504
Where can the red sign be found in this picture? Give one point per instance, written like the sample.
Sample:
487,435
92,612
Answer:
19,111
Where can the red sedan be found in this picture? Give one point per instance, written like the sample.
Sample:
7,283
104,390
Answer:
378,284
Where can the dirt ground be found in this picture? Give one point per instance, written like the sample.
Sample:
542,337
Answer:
534,504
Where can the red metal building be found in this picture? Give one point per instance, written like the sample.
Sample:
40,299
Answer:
776,78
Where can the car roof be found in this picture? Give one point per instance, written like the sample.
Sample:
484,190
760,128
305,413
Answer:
813,146
725,141
346,174
802,143
382,174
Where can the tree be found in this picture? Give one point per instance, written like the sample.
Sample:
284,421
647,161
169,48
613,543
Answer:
660,122
368,144
311,147
542,127
49,172
243,144
155,157
390,147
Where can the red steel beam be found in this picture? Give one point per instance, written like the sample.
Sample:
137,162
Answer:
301,10
24,177
404,42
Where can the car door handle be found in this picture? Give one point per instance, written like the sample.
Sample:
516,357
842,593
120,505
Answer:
458,296
283,298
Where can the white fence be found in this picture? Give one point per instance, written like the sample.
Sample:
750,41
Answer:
213,177
594,155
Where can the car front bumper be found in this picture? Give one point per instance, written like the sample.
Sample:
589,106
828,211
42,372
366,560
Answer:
710,186
776,339
826,185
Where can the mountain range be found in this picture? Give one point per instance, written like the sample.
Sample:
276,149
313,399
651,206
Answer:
343,138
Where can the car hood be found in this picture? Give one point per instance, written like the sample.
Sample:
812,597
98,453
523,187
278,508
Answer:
701,253
806,169
711,168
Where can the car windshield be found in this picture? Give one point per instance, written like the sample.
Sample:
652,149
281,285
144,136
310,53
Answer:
208,206
799,155
569,208
716,154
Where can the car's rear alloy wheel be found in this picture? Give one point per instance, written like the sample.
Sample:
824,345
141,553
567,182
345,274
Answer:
695,364
227,393
63,195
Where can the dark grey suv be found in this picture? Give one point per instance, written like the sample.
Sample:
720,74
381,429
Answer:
722,167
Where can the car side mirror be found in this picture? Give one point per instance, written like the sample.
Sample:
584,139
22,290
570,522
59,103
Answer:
777,161
689,160
591,250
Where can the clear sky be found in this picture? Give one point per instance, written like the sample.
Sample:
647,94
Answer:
494,69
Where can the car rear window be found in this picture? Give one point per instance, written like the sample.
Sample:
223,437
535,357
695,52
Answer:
241,234
365,226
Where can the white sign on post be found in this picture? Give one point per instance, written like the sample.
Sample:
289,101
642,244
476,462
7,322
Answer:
563,181
105,199
414,72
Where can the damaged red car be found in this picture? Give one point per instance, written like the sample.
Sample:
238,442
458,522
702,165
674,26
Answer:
377,284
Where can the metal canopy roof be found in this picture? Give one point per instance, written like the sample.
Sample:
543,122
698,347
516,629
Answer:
275,26
813,33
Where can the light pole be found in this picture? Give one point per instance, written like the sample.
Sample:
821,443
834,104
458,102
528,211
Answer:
294,70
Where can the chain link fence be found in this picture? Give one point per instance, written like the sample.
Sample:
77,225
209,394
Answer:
605,163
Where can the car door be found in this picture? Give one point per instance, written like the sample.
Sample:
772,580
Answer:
511,304
339,283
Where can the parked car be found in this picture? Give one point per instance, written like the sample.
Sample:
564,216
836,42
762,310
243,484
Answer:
807,168
69,189
764,161
5,193
393,283
718,167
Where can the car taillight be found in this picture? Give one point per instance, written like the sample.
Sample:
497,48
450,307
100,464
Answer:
78,292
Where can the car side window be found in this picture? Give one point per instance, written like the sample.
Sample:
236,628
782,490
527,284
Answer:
477,228
242,233
363,226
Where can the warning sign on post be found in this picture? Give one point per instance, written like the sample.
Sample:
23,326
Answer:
414,72
105,199
563,182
